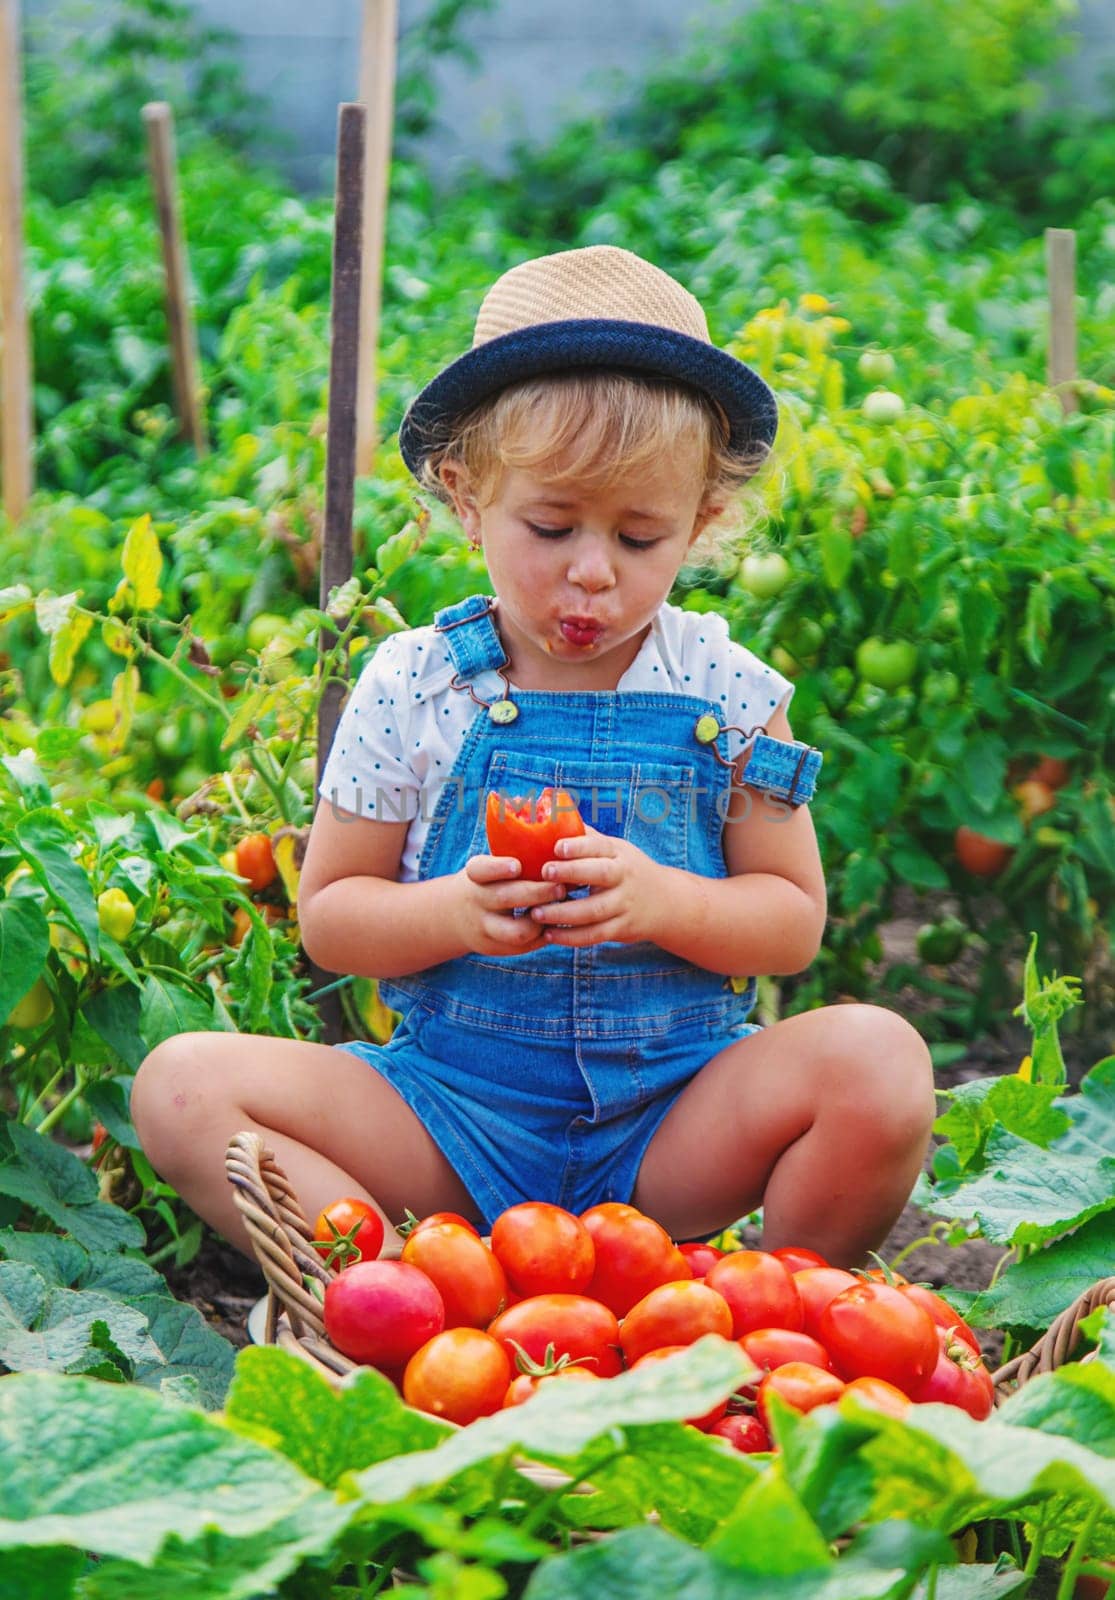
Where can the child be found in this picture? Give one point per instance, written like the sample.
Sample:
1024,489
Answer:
578,1038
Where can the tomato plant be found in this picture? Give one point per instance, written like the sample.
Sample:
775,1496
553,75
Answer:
350,1230
381,1312
543,1249
633,1254
527,828
460,1374
467,1275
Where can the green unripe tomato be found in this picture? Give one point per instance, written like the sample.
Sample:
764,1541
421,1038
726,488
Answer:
764,576
886,665
265,626
938,943
803,638
781,659
883,405
116,915
34,1008
941,688
877,366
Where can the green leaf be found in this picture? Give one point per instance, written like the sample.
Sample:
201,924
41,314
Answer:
24,946
142,561
1031,1292
56,1183
44,1329
43,1574
975,1581
116,1470
1077,1401
65,642
981,771
837,553
168,1008
557,1423
1024,1197
915,866
184,1345
771,1532
46,844
278,1398
114,1014
1037,623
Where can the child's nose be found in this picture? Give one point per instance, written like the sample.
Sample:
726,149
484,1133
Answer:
591,568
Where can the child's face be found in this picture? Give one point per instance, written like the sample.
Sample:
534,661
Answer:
580,574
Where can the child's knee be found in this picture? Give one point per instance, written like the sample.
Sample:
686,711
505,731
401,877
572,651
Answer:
890,1073
165,1093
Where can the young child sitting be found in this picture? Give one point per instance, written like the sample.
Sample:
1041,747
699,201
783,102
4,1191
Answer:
583,1036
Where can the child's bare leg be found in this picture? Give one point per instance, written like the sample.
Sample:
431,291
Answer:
823,1119
336,1127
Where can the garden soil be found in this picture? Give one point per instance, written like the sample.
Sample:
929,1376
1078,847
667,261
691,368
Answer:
224,1285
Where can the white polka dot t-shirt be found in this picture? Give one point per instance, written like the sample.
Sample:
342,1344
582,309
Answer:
403,725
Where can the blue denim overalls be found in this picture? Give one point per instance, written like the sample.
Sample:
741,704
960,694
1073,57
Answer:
545,1076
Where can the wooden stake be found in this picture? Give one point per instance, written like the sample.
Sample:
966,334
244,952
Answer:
159,119
340,444
16,471
377,93
1060,266
344,342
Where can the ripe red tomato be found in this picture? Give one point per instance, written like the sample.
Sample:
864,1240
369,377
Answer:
943,1314
527,1383
465,1272
351,1230
674,1314
979,855
879,1395
576,1326
795,1257
633,1255
1052,771
700,1257
802,1386
381,1312
460,1375
759,1290
255,860
874,1330
529,827
958,1379
543,1249
774,1347
816,1286
705,1421
743,1431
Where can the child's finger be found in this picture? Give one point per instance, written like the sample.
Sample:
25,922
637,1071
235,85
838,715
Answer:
589,843
509,896
596,872
492,869
576,913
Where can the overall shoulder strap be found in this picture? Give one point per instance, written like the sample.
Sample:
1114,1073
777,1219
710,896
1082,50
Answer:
471,637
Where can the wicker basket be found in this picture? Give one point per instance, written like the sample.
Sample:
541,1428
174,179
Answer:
281,1238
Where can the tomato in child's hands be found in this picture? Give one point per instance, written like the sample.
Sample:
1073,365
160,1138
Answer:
574,1325
759,1290
529,827
874,1330
674,1314
543,1249
381,1312
351,1229
464,1271
460,1375
633,1255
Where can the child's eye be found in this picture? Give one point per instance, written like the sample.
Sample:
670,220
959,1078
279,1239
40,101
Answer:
547,533
637,544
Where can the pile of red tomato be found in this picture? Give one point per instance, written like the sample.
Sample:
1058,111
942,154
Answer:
465,1326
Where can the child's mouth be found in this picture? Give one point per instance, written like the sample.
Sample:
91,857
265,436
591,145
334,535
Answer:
581,631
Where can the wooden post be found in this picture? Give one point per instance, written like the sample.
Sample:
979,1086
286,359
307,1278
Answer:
1060,266
377,94
340,436
159,120
16,471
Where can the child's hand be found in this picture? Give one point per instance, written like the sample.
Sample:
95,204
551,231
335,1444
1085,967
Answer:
491,889
626,899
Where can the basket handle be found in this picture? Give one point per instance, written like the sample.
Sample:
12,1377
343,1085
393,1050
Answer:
279,1233
1055,1346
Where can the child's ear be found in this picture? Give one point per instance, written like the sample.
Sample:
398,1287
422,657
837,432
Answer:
707,512
455,479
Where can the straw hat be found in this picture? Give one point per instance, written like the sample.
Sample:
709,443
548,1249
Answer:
595,307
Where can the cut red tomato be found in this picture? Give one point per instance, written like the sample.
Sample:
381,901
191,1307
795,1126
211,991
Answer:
529,827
